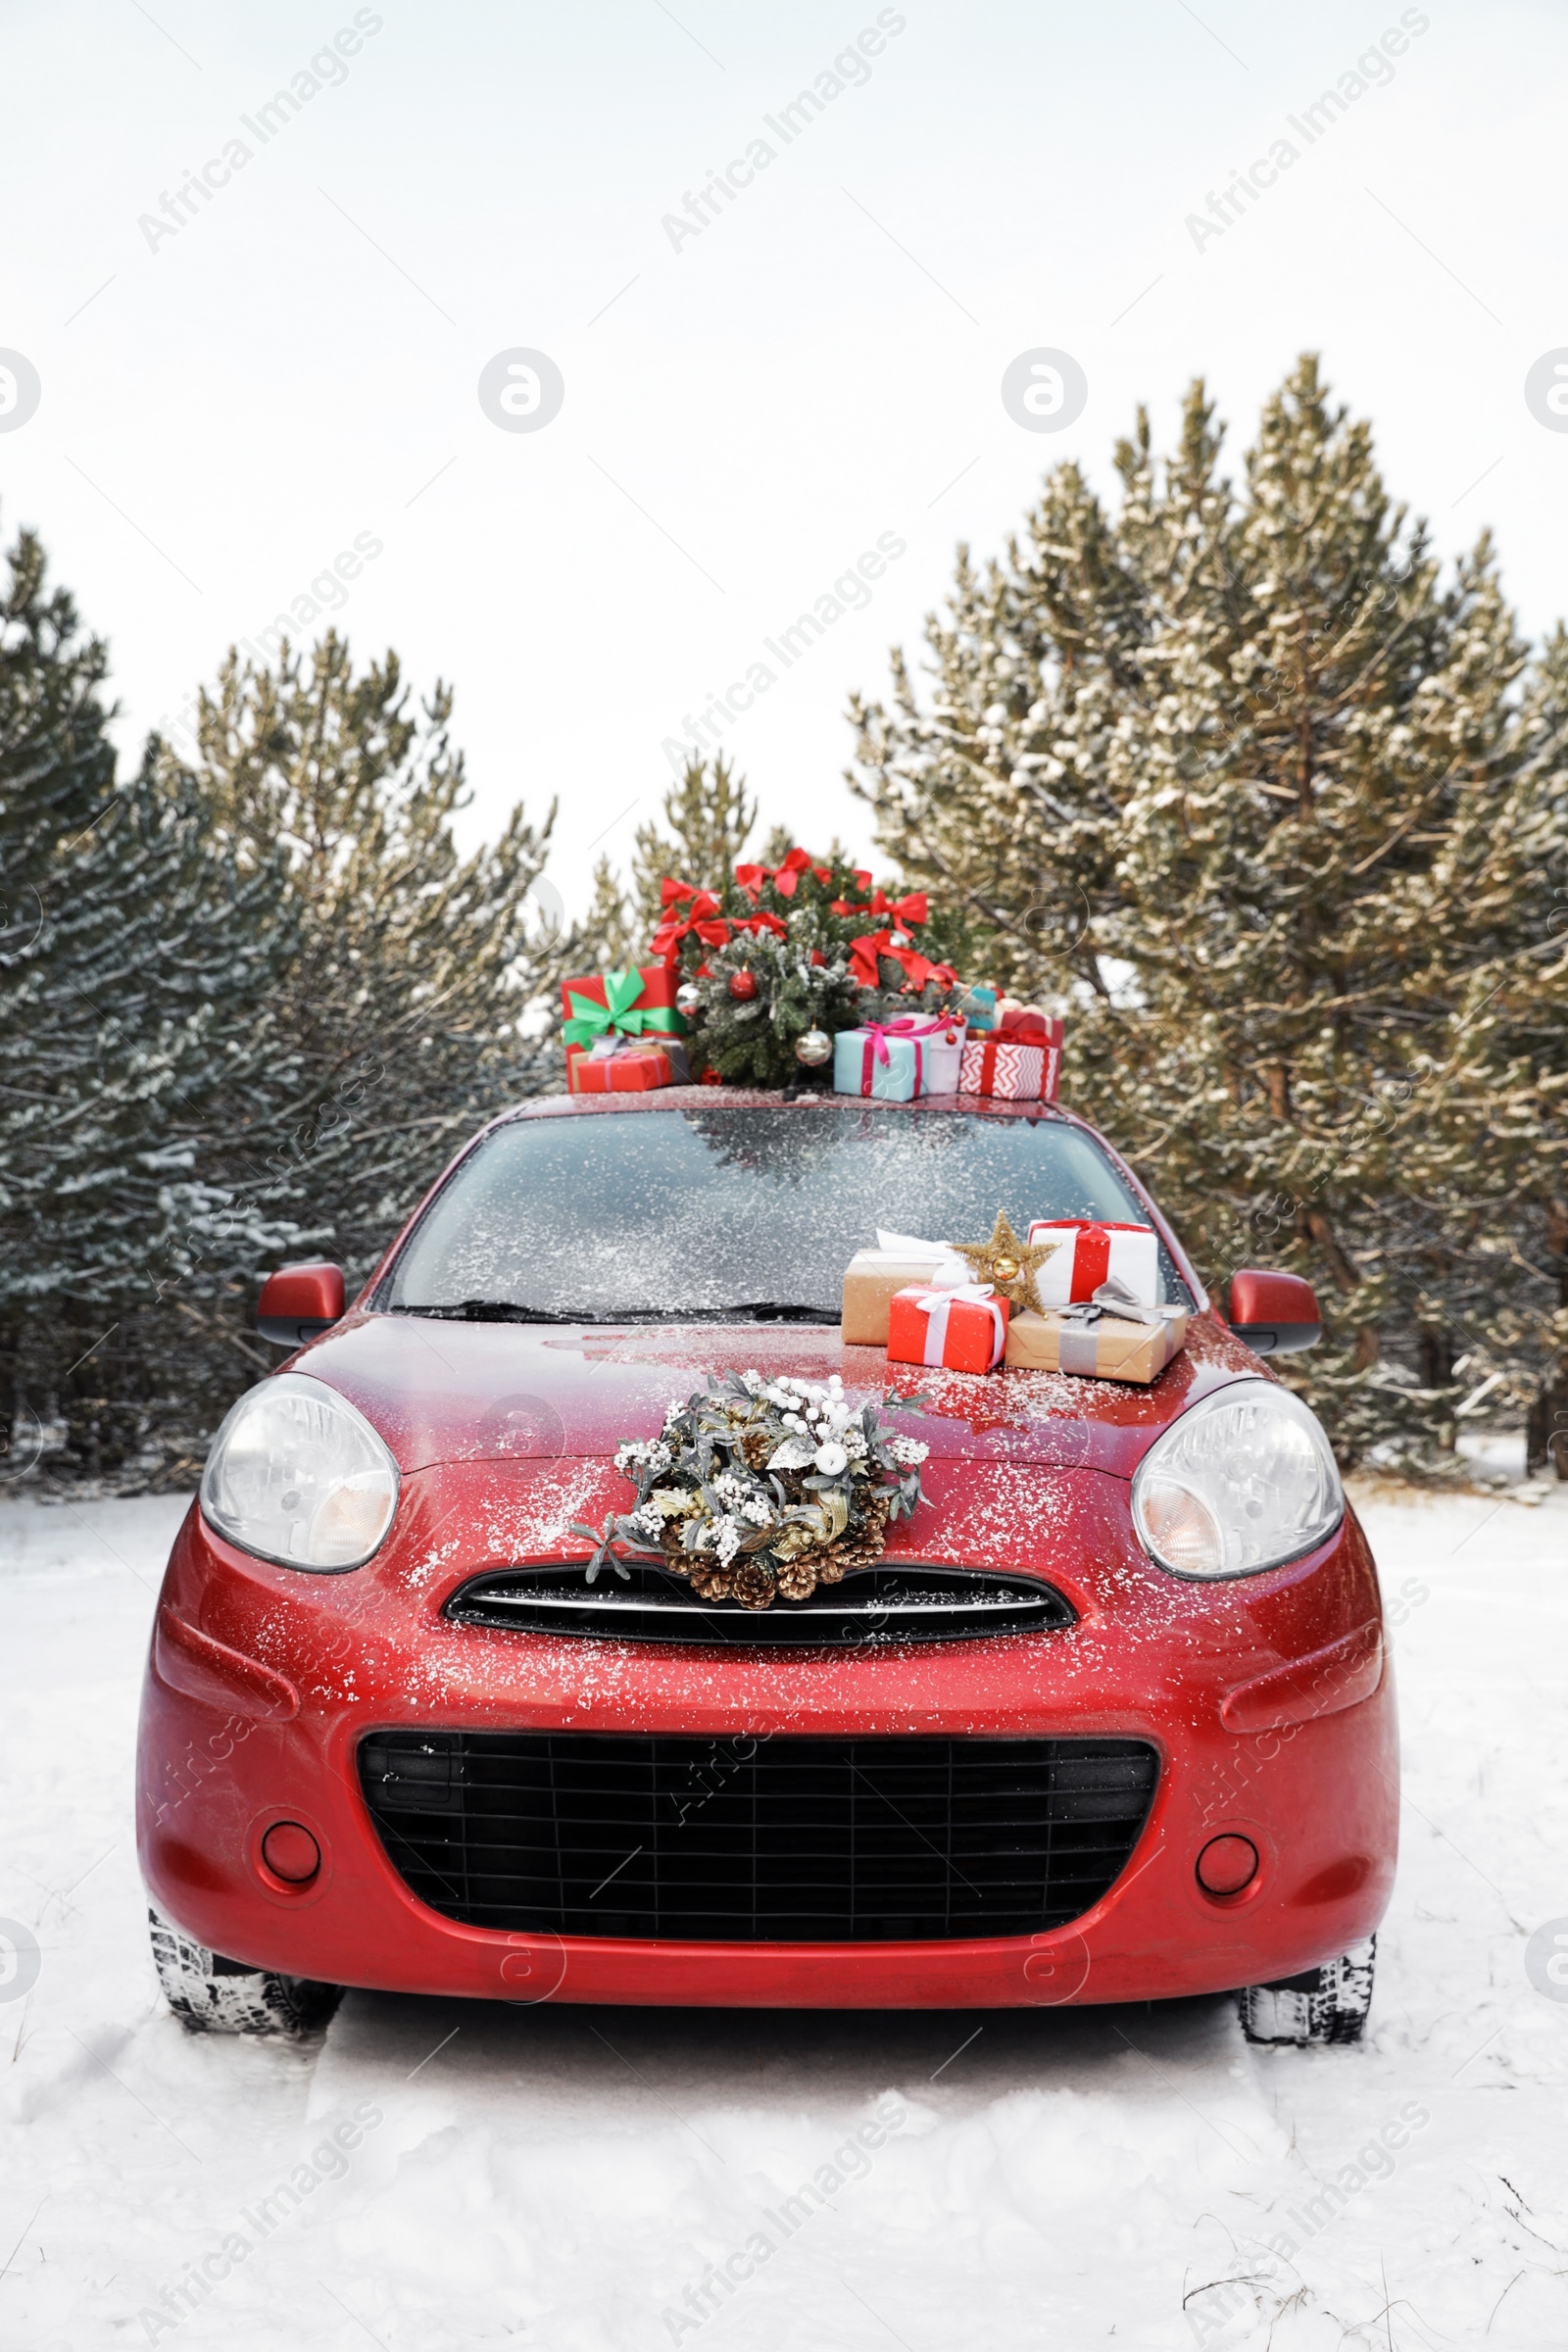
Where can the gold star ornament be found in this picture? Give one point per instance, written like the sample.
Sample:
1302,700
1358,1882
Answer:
1009,1264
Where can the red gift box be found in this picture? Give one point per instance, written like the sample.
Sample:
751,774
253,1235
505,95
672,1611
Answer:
1090,1253
652,1011
1019,1061
629,1070
962,1330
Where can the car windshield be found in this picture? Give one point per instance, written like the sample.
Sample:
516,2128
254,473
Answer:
645,1215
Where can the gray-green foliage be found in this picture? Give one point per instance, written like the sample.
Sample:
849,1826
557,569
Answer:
1276,811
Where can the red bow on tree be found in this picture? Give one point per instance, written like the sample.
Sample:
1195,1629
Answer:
785,878
913,908
701,918
763,921
866,950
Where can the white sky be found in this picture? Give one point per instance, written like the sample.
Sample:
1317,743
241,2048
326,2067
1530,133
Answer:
743,417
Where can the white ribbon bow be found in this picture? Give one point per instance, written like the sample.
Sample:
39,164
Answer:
949,1270
938,1305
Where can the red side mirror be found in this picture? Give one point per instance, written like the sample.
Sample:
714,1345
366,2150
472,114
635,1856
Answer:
1275,1313
298,1303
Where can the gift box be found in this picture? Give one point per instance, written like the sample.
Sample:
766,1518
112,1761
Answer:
979,1008
1097,1341
1090,1253
627,1069
963,1329
1015,1073
944,1058
877,1060
873,1277
611,1005
1019,1059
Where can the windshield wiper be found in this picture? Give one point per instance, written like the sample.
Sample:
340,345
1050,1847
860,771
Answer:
746,1310
750,1310
775,1310
492,1310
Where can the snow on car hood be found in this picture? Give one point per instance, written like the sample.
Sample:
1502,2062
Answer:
442,1392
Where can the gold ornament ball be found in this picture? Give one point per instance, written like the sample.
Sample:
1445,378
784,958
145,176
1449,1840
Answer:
1005,1269
689,998
814,1047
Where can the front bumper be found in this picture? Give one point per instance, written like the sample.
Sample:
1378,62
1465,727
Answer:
262,1682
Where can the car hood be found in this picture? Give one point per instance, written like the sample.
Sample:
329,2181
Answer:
443,1391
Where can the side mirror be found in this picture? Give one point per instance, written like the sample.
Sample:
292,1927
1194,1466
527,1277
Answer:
300,1302
1275,1313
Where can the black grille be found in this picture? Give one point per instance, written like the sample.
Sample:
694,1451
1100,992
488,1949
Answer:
873,1607
757,1840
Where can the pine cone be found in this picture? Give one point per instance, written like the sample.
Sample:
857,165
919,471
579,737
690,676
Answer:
752,1585
797,1580
859,1546
710,1584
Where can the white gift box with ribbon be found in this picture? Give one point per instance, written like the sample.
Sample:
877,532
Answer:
1089,1252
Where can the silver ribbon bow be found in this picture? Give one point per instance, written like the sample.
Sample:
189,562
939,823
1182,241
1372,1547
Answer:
1113,1298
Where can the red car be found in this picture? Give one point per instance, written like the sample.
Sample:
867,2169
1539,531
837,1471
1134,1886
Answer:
1109,1720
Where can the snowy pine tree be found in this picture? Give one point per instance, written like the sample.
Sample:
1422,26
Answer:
417,996
1233,774
134,1042
709,820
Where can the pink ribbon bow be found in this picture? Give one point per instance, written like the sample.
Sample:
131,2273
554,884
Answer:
907,1025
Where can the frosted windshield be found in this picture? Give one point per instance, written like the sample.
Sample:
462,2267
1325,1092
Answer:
650,1211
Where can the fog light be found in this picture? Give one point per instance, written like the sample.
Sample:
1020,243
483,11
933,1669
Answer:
1226,1865
291,1852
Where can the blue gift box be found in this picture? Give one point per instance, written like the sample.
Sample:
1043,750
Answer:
979,1008
856,1061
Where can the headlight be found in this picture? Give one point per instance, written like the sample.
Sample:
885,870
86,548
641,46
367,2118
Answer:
1244,1481
297,1476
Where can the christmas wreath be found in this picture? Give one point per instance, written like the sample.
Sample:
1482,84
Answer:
757,1489
787,955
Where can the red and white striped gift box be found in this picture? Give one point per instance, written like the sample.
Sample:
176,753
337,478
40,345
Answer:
1021,1058
1090,1254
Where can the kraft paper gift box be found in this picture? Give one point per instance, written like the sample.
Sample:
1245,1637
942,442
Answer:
898,1262
622,1070
1094,1340
877,1063
962,1330
1089,1252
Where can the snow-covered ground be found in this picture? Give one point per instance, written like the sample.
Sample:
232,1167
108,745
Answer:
561,2176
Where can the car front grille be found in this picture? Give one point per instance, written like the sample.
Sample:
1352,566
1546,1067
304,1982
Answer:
745,1840
872,1607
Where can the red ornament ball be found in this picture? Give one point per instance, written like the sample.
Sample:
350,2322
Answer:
743,986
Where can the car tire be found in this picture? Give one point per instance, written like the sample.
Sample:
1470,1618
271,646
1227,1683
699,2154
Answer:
212,1995
1320,2006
